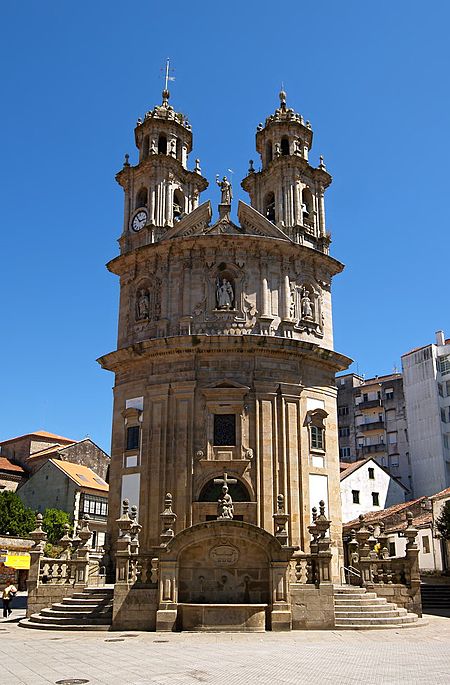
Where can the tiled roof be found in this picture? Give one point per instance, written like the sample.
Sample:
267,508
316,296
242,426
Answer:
443,493
356,464
375,516
39,434
82,475
6,465
45,452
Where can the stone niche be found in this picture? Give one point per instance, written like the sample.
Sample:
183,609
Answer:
227,571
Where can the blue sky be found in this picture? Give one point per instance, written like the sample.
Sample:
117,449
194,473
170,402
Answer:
371,77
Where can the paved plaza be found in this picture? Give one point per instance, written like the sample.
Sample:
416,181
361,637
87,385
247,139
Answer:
412,655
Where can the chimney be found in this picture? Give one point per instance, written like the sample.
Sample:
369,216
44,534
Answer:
440,338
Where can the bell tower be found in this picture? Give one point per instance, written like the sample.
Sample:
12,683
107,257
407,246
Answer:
288,190
160,190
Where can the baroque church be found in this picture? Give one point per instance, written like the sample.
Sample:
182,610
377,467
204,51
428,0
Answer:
224,433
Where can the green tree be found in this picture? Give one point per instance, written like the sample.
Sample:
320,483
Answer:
15,517
443,521
53,523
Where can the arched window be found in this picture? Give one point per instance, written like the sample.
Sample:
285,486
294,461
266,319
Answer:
178,205
212,492
269,153
141,198
269,207
284,146
145,147
307,204
162,145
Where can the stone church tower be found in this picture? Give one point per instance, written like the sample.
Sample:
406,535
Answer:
225,360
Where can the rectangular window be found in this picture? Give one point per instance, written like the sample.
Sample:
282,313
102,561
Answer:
441,389
371,473
392,549
355,495
376,499
447,388
133,438
444,364
317,438
392,438
426,544
443,417
344,452
389,393
365,397
446,441
344,432
225,430
343,411
394,460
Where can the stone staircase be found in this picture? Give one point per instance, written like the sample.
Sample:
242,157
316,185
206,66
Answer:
87,610
357,609
435,599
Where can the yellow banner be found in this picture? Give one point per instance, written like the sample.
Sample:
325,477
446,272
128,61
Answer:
18,561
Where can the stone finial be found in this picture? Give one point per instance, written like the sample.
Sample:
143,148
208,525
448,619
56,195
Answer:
280,519
314,514
168,519
85,533
197,167
125,507
38,534
126,161
322,508
139,122
124,522
135,529
321,163
282,96
65,542
260,126
410,532
250,167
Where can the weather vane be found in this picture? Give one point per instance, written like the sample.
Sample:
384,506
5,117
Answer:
167,76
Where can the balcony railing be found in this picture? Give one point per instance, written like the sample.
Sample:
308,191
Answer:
374,449
369,404
371,426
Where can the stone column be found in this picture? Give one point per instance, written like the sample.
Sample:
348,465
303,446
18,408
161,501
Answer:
281,617
166,616
321,202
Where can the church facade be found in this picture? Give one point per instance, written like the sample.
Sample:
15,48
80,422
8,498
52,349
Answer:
224,414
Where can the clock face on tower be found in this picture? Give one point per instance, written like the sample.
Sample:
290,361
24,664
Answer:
139,220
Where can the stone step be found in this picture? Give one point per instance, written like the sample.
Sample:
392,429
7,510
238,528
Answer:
68,621
27,623
360,601
356,595
88,601
370,614
348,589
81,613
385,621
81,607
93,594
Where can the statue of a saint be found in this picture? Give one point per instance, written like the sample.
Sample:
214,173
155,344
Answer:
142,305
225,187
225,509
306,304
224,294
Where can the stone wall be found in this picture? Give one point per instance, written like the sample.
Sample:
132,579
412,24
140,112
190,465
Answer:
312,608
135,608
408,598
43,596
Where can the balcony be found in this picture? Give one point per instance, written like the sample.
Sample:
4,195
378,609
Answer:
374,449
369,404
372,426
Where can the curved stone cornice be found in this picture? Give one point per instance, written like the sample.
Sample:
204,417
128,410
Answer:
263,245
173,346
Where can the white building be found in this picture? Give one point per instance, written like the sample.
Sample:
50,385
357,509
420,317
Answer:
426,384
367,486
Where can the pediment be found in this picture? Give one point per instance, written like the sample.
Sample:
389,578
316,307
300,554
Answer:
227,383
224,227
194,223
254,223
